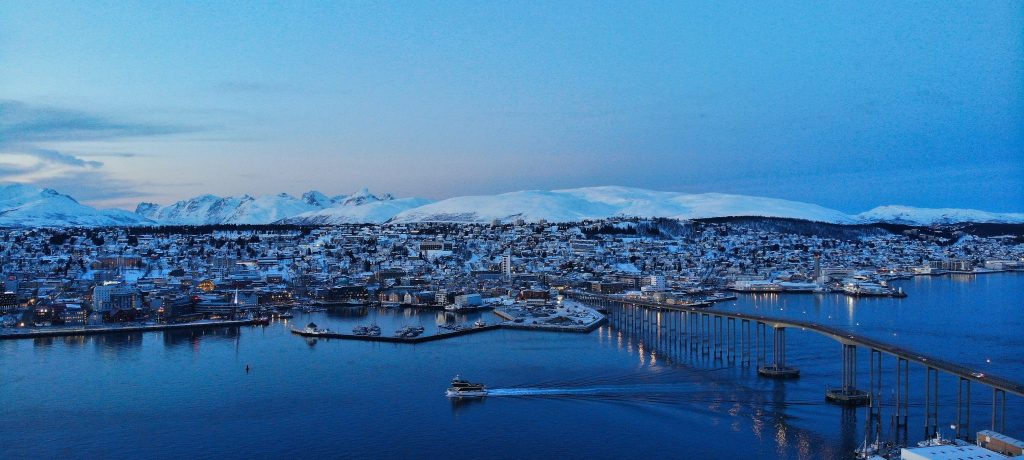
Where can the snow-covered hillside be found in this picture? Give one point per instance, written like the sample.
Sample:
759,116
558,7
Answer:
929,216
602,202
27,206
378,211
210,209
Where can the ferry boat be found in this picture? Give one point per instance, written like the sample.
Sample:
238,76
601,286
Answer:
464,389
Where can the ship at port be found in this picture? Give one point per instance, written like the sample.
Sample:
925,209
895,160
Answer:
464,389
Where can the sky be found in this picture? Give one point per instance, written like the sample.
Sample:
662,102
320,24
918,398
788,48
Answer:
849,105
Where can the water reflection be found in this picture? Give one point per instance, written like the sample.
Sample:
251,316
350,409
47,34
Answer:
192,337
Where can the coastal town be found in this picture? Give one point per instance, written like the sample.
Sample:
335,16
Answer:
61,278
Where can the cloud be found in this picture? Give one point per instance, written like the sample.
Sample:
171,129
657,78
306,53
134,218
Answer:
56,157
22,123
93,186
25,128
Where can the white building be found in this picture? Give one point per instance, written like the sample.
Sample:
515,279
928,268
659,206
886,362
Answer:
109,295
506,265
469,300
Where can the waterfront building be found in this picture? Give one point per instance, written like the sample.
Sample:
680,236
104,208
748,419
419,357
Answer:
1001,443
114,296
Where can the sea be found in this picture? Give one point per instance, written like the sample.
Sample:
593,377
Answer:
617,392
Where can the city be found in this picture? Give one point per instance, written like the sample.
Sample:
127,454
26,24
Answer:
511,230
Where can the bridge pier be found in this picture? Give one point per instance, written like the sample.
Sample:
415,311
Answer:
998,410
902,391
746,343
931,403
762,354
705,334
848,394
731,332
778,368
963,412
717,333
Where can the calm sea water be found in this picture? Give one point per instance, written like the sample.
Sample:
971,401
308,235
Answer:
606,394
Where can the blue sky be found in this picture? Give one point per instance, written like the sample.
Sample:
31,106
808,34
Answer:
848,105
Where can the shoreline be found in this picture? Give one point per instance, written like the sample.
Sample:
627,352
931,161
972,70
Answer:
71,332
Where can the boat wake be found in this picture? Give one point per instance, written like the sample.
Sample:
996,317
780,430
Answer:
588,391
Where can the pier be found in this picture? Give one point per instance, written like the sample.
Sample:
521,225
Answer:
393,339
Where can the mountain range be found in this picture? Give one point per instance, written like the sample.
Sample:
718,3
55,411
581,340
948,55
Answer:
27,206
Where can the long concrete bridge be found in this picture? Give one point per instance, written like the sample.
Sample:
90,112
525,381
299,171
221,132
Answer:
710,336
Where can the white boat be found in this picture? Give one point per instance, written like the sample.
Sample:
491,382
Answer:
480,323
464,389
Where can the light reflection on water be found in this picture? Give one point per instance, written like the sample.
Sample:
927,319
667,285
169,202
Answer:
384,400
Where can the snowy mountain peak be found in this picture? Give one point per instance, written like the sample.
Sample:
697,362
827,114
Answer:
317,199
26,206
361,197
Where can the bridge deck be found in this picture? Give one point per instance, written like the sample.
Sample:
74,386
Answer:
840,335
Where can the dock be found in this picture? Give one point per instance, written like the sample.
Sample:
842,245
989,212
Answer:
77,331
392,339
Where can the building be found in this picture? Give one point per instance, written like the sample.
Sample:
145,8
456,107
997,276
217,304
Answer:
656,282
605,287
506,265
1001,443
8,303
116,296
468,300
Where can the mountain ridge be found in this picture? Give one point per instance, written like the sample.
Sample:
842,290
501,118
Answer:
26,206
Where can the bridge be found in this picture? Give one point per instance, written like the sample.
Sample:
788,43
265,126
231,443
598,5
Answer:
714,332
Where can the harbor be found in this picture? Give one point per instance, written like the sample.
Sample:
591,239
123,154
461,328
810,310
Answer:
567,317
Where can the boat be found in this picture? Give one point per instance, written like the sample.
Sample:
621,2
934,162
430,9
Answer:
286,315
408,332
360,330
480,323
261,321
465,389
312,329
373,330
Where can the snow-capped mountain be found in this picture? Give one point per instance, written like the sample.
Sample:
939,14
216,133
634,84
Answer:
22,205
378,211
610,201
908,215
211,209
26,206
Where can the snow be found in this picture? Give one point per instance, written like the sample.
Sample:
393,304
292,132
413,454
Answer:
929,216
23,205
26,206
370,212
603,202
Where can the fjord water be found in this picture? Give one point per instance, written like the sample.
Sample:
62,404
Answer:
605,394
